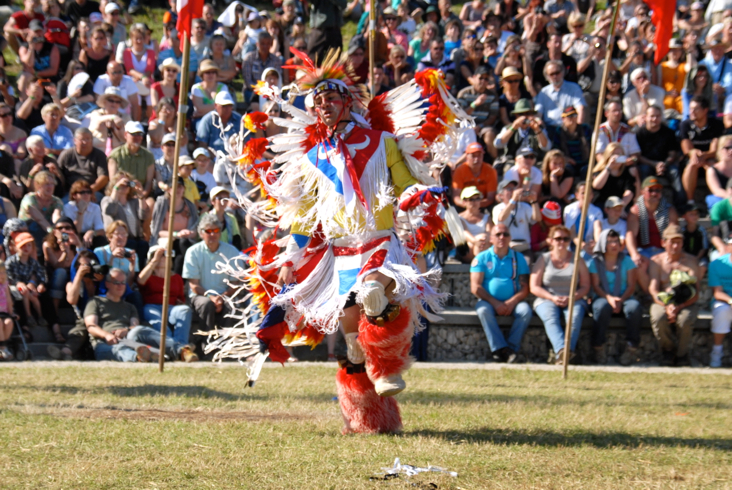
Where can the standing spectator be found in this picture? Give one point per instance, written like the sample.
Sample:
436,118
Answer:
558,95
85,215
84,162
613,277
643,95
550,283
699,137
254,63
17,26
516,215
208,289
115,77
647,220
28,278
660,152
326,19
499,278
133,158
56,138
209,127
41,208
614,176
613,130
152,281
474,172
681,311
124,203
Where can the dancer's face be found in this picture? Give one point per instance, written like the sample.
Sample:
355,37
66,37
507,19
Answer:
330,108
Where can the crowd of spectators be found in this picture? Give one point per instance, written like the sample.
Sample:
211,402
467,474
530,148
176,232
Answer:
87,143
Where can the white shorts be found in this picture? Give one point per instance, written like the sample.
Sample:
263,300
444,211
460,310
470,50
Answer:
721,317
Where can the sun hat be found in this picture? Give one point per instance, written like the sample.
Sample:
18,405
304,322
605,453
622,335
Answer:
469,192
672,231
523,106
216,191
505,183
509,72
112,92
613,201
23,238
171,63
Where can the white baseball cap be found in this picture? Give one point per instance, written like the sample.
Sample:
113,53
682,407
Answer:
134,127
224,98
168,138
216,191
201,151
111,7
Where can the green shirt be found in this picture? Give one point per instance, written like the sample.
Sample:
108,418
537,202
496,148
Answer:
721,211
136,164
30,200
110,315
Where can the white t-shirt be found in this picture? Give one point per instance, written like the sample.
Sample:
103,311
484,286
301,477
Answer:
512,174
518,223
620,227
92,216
207,178
571,218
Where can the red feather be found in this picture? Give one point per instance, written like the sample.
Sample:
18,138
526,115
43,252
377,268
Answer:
380,115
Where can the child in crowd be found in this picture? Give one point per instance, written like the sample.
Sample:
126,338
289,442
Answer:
6,314
452,36
572,215
695,238
551,215
28,278
185,169
613,209
202,175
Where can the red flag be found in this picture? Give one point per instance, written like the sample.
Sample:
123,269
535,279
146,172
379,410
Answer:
663,20
187,11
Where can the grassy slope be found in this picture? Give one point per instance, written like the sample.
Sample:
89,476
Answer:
498,429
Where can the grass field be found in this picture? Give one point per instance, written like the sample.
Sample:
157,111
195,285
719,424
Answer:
113,427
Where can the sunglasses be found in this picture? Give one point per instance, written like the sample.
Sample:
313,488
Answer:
118,72
512,81
6,114
529,157
213,231
561,239
85,192
114,101
554,73
502,234
654,190
65,228
117,283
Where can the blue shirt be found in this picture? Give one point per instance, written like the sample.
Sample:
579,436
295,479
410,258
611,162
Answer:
200,263
720,273
721,72
625,266
550,102
500,276
169,53
62,139
104,254
209,134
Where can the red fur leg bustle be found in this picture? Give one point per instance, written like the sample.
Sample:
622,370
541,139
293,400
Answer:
387,347
363,410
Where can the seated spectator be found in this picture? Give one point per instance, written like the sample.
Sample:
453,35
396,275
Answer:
7,316
647,220
698,82
223,60
39,58
696,243
419,47
660,152
613,278
614,176
699,137
526,130
474,221
719,70
614,208
117,255
164,167
18,24
166,122
573,214
380,81
574,140
41,208
133,158
615,131
107,123
511,80
558,95
185,168
124,202
13,137
85,280
643,95
549,282
208,289
208,132
96,54
115,330
38,160
255,62
551,215
518,216
115,77
174,51
84,162
499,278
397,70
204,93
202,175
85,215
475,173
719,174
168,86
28,113
56,138
184,225
437,59
27,278
720,274
525,174
230,232
151,281
673,320
553,53
139,60
557,179
59,250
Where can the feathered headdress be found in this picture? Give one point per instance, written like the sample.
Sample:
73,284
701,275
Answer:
335,73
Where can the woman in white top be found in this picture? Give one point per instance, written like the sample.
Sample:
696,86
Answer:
474,221
107,123
574,44
86,215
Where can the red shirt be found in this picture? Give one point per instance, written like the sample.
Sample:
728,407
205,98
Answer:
152,291
22,21
654,237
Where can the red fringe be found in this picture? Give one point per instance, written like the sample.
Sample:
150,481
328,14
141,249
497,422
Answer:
363,410
387,347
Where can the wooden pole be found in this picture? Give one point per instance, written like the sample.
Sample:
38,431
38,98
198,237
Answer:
588,185
182,110
372,43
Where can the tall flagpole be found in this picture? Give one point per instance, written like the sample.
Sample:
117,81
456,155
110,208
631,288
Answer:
179,131
588,186
372,43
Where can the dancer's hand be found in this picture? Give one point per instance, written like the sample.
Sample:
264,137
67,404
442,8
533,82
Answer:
285,276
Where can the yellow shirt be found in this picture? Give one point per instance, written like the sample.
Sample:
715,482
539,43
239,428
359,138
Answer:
191,192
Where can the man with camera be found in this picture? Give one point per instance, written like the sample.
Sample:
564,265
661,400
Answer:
527,130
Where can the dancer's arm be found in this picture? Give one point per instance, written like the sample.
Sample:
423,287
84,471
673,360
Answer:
400,174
